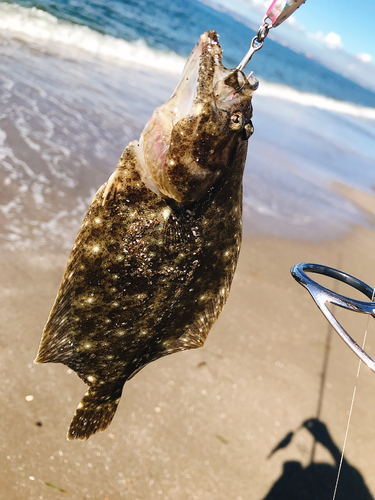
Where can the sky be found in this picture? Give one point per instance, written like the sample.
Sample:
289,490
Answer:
347,21
338,33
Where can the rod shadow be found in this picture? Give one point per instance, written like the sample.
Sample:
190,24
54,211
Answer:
317,480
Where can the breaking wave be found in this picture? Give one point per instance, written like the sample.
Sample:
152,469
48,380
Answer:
33,25
285,93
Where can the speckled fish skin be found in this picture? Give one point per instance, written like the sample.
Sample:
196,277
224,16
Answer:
153,262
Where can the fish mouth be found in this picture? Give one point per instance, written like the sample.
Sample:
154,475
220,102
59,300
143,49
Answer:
204,80
204,71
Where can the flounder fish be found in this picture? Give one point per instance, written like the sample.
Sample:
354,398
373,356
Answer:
153,262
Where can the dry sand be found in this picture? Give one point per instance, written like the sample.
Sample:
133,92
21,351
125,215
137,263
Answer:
200,424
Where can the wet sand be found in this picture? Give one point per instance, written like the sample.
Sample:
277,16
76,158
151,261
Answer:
200,424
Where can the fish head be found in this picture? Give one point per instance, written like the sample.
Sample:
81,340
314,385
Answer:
191,141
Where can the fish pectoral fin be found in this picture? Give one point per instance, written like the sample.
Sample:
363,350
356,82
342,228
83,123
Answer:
112,187
124,173
94,413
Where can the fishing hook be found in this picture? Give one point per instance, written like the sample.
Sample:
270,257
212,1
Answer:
277,13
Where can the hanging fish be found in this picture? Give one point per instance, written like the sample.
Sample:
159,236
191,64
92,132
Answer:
153,262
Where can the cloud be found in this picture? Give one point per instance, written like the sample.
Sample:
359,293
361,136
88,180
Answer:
263,4
332,39
258,5
366,58
295,25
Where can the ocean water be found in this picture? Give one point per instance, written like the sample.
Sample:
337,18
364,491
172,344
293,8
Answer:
79,80
161,34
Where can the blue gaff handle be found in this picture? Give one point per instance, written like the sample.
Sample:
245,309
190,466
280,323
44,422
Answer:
323,295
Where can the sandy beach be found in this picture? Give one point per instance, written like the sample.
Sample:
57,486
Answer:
200,424
260,412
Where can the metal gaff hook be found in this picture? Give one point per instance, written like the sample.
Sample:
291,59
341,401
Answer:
322,296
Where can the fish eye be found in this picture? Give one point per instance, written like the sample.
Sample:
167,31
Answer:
236,121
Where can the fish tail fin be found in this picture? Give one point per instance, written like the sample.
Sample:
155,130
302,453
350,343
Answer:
94,413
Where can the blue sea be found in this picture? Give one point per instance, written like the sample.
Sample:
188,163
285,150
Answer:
79,80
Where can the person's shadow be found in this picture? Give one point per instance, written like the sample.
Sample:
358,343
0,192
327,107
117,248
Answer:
317,480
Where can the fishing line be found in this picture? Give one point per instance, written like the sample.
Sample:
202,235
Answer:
323,296
323,375
351,408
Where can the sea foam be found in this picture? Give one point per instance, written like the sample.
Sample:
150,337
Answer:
274,90
36,26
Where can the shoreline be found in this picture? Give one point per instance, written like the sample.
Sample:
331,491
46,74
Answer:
84,115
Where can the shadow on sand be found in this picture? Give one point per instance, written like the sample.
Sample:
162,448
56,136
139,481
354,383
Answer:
317,480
